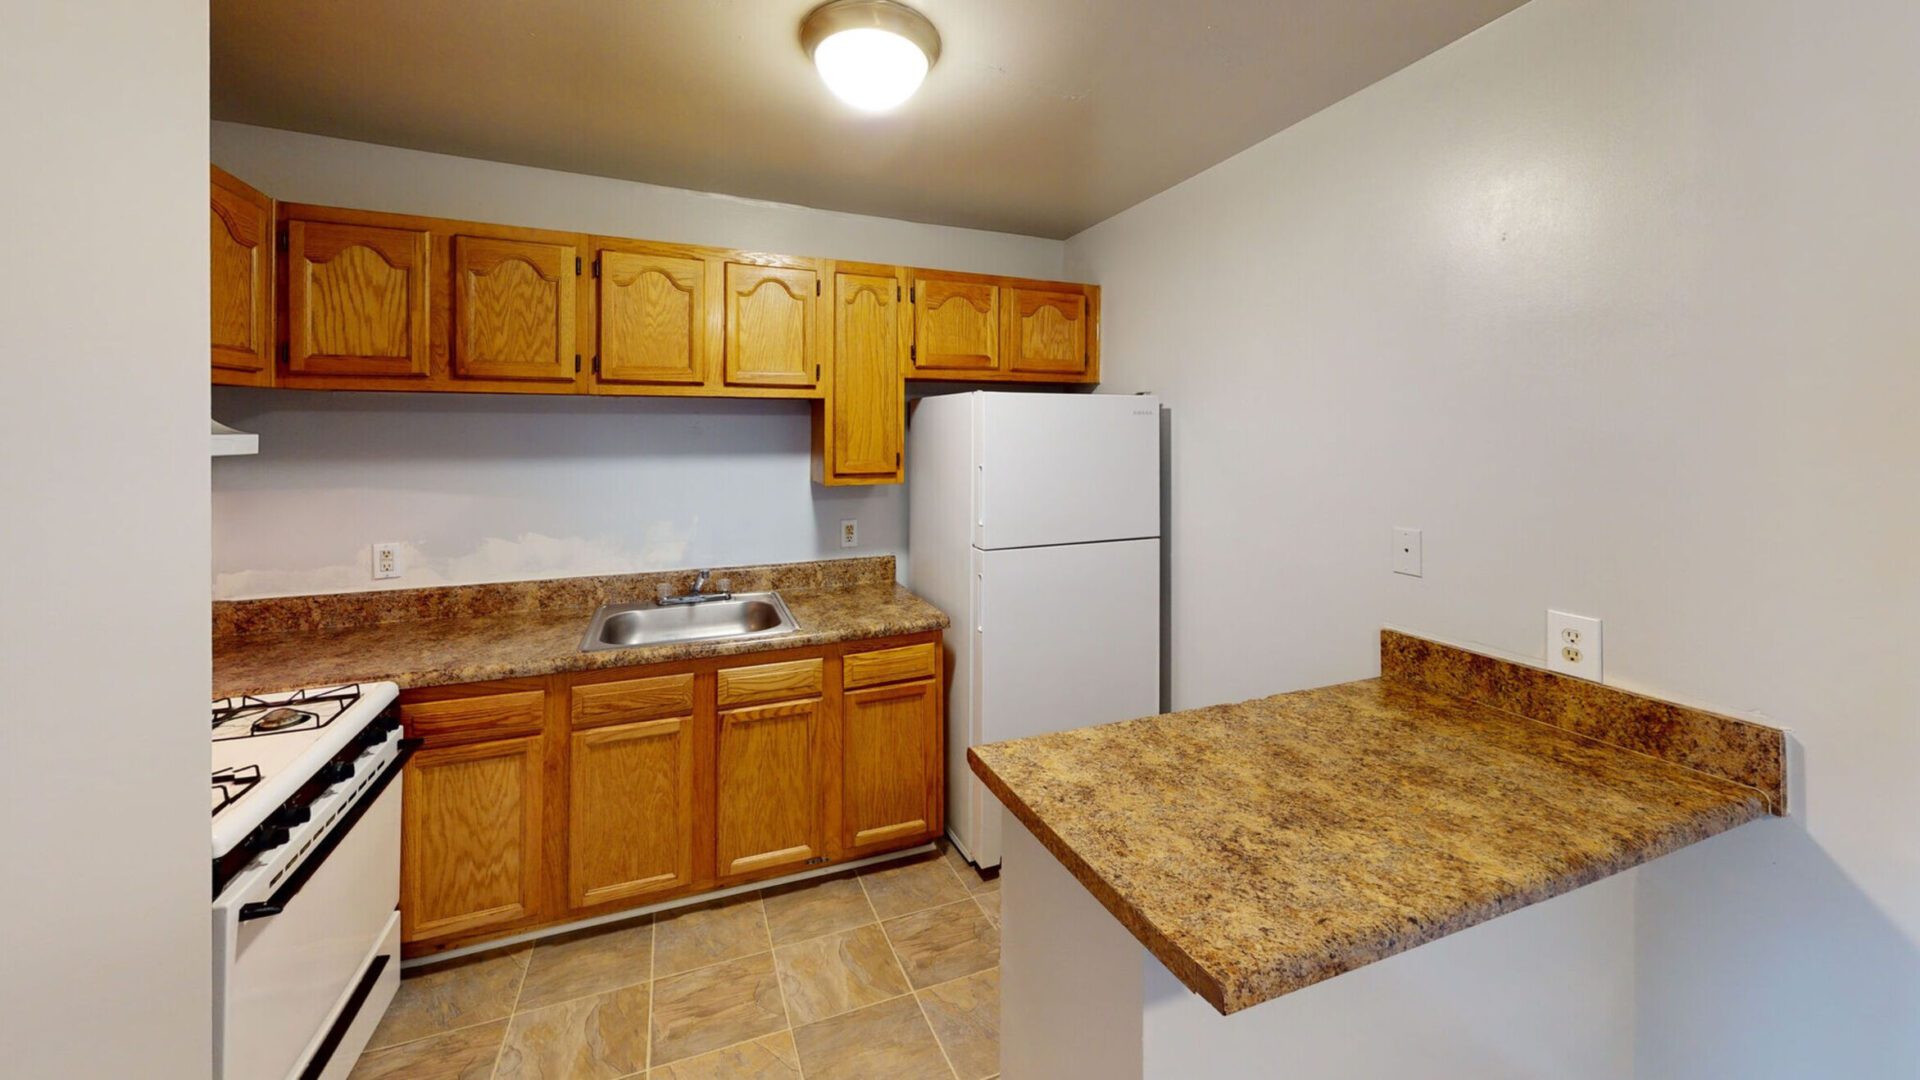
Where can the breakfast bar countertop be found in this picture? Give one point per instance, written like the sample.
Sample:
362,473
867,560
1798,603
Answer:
1259,847
462,634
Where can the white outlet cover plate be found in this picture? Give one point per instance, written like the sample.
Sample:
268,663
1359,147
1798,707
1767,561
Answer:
399,564
849,533
1406,551
1573,645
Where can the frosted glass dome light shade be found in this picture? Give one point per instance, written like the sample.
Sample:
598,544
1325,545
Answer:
873,54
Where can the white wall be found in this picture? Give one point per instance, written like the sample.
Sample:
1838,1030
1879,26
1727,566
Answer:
492,488
104,948
1617,301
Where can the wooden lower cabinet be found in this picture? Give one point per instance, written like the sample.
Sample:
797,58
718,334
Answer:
630,827
471,838
769,785
539,801
891,758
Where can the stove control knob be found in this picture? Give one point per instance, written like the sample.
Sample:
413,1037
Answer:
334,772
268,837
290,817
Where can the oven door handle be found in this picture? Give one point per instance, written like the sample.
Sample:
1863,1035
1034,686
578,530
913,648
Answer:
290,888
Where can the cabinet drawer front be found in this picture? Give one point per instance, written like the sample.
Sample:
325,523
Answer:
889,665
597,704
488,716
770,682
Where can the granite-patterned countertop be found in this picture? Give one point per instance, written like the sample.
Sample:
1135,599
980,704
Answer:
468,647
1260,847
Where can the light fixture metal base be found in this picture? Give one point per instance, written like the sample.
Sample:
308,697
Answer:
890,15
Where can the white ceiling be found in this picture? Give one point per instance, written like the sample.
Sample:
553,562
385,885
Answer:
1042,116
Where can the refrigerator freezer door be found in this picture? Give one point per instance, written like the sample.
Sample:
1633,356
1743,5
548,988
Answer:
1065,637
1065,469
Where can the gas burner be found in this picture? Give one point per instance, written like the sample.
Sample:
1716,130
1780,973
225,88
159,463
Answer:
246,716
231,783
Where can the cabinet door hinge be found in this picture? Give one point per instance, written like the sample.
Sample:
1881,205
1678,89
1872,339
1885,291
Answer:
816,373
913,293
283,352
281,241
596,267
576,363
576,266
896,459
816,288
818,860
596,363
896,290
913,353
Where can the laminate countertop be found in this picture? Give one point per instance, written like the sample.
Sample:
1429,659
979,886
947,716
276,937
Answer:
1257,848
302,642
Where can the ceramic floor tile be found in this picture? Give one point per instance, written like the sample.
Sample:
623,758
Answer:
945,942
890,1040
587,962
914,885
989,902
965,1015
813,908
601,1037
770,1058
458,993
708,933
826,976
715,1006
463,1054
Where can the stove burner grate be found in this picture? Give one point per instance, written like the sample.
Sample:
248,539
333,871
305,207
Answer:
316,709
231,783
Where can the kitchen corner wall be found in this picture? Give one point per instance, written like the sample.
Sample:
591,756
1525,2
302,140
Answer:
493,488
1620,302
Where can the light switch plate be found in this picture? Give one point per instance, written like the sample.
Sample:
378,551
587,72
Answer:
1573,644
1406,551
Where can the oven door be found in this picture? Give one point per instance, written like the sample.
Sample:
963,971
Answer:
288,962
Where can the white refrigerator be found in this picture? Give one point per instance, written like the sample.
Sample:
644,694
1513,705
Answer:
1034,522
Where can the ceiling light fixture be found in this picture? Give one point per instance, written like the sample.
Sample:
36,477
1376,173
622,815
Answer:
872,54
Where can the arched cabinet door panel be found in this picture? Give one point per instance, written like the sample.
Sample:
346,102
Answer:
956,327
356,300
653,319
240,253
1046,332
513,309
773,337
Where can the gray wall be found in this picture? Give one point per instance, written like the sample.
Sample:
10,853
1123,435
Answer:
104,949
1617,301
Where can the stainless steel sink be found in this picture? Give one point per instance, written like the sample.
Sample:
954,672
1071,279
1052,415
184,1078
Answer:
745,615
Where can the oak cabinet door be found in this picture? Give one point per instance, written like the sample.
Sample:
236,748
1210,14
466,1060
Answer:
356,300
868,404
771,333
653,319
631,809
1046,331
241,221
890,767
470,852
956,325
769,782
513,309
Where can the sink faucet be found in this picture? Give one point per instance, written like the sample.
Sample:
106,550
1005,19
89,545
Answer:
699,595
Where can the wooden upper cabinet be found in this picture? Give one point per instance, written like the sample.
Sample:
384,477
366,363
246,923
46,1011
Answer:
513,309
891,786
867,409
631,827
1046,331
770,782
241,256
653,319
956,325
471,851
356,300
771,326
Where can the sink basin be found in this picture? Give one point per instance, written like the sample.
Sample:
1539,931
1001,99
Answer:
746,615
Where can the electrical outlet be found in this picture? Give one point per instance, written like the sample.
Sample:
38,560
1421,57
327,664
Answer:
386,561
1406,551
849,533
1573,645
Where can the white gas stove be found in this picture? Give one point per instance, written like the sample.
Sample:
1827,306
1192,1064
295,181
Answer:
306,878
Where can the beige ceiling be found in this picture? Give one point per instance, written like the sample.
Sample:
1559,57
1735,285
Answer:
1042,116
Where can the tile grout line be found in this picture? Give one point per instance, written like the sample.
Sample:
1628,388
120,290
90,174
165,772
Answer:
653,951
911,991
500,1051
